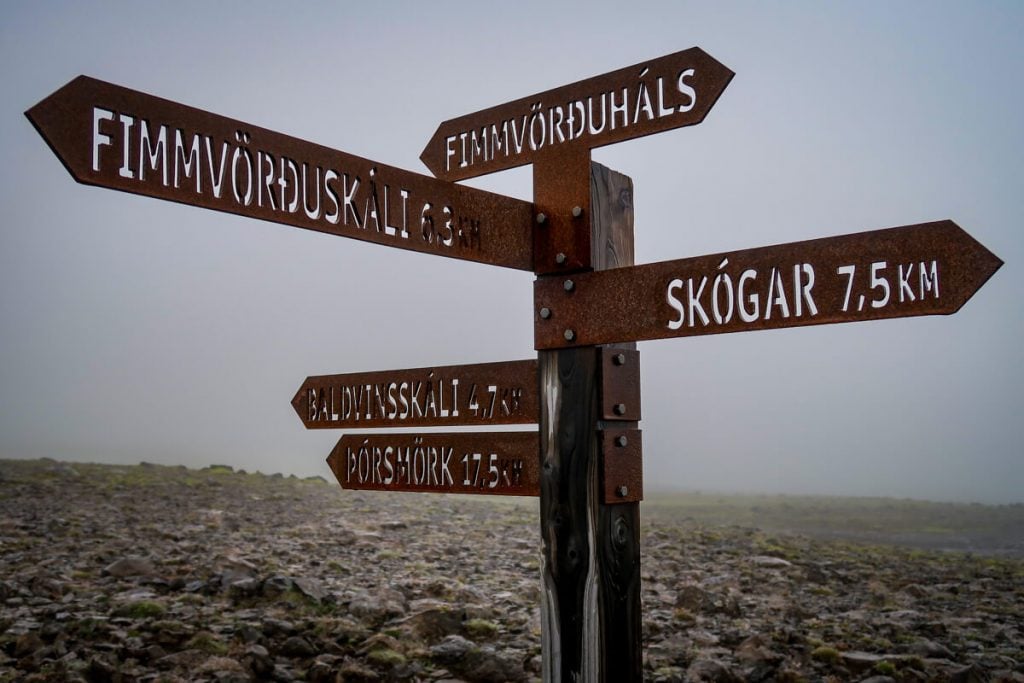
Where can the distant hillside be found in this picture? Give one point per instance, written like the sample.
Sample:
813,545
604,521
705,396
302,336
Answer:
981,529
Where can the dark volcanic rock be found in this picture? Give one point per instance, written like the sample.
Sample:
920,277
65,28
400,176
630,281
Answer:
257,659
276,585
476,663
26,644
311,588
711,671
297,646
433,624
153,573
130,566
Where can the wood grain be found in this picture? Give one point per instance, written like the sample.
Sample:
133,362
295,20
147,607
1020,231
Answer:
591,558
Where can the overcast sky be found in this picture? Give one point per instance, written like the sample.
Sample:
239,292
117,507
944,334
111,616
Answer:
136,329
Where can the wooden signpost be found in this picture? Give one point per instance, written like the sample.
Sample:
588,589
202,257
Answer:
577,236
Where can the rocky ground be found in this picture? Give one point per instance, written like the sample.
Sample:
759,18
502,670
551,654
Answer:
152,573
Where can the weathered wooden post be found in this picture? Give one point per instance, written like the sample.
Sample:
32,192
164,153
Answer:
590,456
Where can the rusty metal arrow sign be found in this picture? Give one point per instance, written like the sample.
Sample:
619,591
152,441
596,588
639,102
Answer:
491,463
654,96
925,269
126,140
467,395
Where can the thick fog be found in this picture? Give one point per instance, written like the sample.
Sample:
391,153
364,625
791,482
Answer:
136,329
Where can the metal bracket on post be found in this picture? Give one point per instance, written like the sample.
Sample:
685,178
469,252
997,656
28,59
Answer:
622,473
620,384
562,239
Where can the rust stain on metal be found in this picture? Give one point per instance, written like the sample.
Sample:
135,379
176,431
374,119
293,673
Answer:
490,463
561,191
923,269
620,384
650,97
622,474
126,140
475,395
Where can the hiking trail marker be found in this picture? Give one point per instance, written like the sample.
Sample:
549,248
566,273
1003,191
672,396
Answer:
585,460
126,140
492,463
466,395
926,269
654,96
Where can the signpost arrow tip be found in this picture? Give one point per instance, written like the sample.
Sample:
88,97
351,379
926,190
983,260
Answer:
434,162
50,118
981,264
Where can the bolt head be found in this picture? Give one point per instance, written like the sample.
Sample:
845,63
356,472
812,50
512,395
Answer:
619,359
541,219
560,258
622,491
569,285
569,335
621,441
577,211
620,408
545,313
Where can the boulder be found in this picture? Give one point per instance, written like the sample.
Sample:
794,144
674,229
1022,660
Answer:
130,566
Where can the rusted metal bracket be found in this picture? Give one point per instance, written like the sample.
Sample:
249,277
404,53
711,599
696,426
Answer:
562,239
622,474
620,384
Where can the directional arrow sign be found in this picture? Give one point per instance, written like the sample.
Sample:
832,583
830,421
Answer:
926,269
493,463
661,94
122,139
481,394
